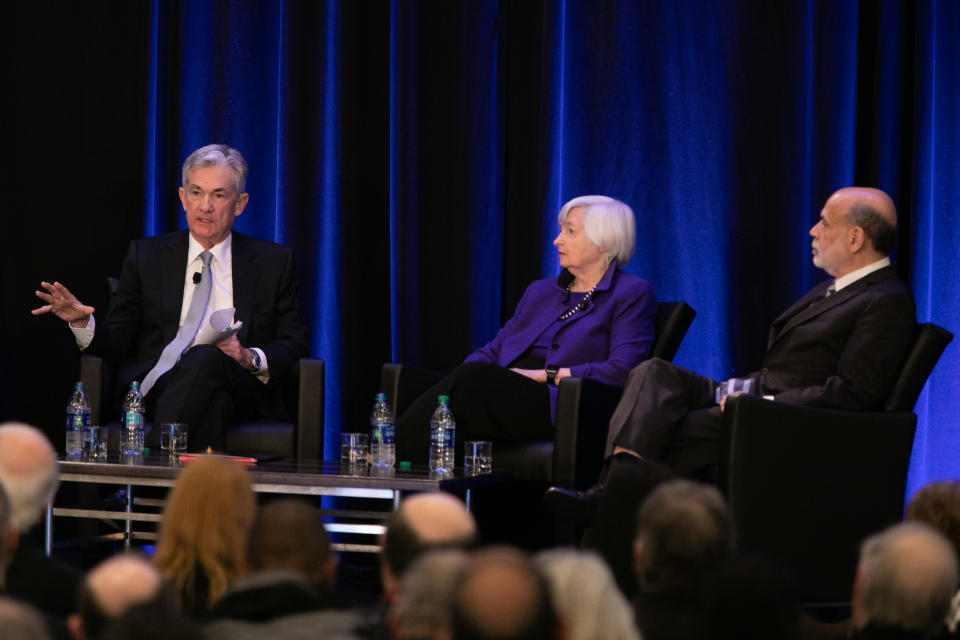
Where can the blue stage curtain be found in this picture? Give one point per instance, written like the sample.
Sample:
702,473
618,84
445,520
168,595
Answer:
415,153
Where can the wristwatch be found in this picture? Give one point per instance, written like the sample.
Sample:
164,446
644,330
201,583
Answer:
257,362
552,374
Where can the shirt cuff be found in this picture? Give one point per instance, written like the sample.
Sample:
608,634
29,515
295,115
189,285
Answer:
84,335
768,397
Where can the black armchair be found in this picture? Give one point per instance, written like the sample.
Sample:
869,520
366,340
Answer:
301,439
807,485
574,457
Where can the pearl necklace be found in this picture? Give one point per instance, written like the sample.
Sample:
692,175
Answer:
583,303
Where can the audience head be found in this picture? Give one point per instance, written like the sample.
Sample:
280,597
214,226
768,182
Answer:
905,579
289,534
9,535
751,597
423,609
20,622
154,620
938,505
857,226
684,533
28,471
609,224
205,530
424,521
110,589
501,595
586,596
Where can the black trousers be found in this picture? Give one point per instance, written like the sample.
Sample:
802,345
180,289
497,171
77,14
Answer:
664,412
488,402
208,390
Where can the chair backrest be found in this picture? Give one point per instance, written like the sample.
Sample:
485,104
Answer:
673,320
928,345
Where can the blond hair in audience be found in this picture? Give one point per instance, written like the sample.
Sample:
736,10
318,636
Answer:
205,528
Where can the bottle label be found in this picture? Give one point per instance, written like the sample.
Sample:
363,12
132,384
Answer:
133,420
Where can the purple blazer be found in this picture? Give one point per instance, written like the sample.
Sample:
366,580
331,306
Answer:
603,342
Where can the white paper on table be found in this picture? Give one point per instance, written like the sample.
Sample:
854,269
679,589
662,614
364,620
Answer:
219,328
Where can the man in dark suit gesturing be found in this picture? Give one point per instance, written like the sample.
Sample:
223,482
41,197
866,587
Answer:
171,284
840,346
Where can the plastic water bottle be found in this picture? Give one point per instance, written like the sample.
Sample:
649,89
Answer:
442,436
133,410
383,448
78,417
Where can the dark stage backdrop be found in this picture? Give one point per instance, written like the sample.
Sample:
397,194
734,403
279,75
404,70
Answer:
415,154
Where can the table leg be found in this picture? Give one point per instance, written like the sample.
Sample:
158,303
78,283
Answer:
48,531
128,524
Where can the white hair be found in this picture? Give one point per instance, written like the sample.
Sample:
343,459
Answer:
425,602
29,488
907,577
220,155
586,596
608,223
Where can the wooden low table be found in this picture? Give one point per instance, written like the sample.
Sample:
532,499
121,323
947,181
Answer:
268,477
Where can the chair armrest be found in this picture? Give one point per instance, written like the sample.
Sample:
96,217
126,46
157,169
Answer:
310,398
93,372
584,408
405,383
390,382
807,485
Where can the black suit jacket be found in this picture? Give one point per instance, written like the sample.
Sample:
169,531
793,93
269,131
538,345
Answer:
844,351
144,312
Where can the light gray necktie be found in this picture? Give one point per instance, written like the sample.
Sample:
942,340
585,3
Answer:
198,305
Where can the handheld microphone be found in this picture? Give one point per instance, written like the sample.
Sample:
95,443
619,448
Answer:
196,277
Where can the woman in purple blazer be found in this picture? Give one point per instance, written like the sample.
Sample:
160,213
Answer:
591,321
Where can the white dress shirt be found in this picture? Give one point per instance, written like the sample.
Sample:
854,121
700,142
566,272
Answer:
221,292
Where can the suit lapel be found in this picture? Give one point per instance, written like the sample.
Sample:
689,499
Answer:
244,282
802,310
173,264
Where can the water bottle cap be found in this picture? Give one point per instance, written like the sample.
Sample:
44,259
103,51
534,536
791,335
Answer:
135,384
443,399
381,397
78,385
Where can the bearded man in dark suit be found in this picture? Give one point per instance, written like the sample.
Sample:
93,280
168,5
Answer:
210,385
840,346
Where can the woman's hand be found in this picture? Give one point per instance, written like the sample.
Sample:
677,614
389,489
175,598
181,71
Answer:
537,375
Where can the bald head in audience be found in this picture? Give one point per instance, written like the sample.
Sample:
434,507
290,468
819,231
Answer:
109,590
28,471
19,621
501,595
424,522
905,580
8,536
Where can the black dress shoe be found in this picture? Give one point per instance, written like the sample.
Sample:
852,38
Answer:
574,508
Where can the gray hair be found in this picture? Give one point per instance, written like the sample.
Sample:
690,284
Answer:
686,533
608,223
908,575
29,492
219,155
426,599
882,234
20,621
586,596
